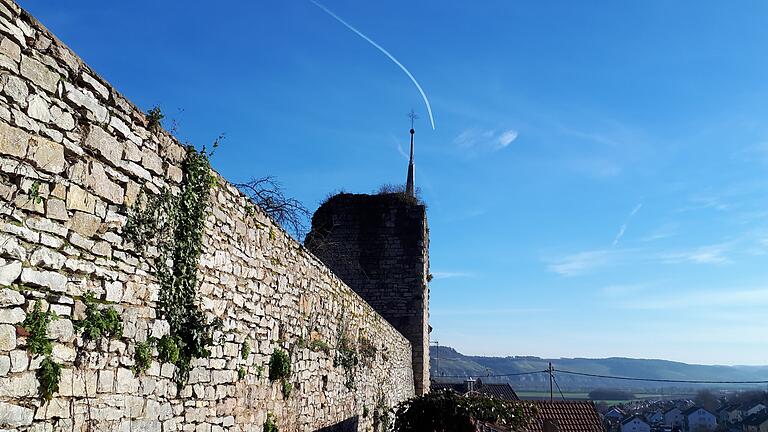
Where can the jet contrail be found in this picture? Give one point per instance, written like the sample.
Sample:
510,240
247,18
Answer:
380,48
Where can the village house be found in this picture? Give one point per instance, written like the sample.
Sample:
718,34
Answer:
755,423
673,417
696,419
635,423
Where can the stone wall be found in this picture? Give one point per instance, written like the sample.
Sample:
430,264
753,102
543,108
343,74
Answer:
74,157
379,246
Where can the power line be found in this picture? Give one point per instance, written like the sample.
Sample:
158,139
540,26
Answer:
558,387
493,376
659,379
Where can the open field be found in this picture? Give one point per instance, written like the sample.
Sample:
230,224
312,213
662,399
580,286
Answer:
579,396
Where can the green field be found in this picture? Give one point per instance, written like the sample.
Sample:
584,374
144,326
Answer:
578,396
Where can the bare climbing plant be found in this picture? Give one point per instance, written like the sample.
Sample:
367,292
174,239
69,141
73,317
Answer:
269,195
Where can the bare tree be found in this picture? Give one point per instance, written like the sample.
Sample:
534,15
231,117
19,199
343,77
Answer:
268,194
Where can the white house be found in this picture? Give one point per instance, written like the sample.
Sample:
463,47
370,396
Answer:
635,424
673,417
655,417
615,415
697,419
754,409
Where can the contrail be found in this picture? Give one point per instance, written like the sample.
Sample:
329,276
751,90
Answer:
380,48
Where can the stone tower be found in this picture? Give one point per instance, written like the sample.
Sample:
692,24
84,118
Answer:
379,246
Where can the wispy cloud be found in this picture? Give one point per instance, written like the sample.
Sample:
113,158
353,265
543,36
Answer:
623,227
582,262
450,274
662,232
485,140
711,254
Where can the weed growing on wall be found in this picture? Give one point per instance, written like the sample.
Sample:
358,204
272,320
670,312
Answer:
49,373
99,322
168,349
36,324
154,117
269,424
175,224
280,369
245,349
142,356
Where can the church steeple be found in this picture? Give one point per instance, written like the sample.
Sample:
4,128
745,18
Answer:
409,183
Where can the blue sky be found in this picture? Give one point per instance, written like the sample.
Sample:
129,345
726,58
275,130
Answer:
596,182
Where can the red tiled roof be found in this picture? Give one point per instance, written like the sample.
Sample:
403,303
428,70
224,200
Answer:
570,416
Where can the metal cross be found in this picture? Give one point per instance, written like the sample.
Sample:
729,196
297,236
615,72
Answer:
413,116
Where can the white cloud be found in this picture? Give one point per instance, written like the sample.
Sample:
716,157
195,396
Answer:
507,137
582,262
475,140
712,254
623,227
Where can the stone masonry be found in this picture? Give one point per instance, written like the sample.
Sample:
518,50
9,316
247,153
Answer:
379,246
74,156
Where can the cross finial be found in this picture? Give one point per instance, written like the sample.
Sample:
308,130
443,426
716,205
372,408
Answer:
413,116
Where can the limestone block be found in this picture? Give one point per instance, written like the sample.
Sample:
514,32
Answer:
61,330
15,88
102,248
61,310
105,144
114,291
51,241
13,141
47,258
9,297
126,382
56,209
23,121
63,353
103,186
80,199
47,155
160,328
10,49
62,119
151,161
19,360
19,385
38,108
12,316
48,279
9,272
8,63
96,85
10,247
14,415
87,101
39,74
55,408
5,365
85,224
106,381
7,337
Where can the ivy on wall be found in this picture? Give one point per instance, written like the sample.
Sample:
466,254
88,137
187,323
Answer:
175,224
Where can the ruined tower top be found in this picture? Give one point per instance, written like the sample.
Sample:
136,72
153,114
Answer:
379,246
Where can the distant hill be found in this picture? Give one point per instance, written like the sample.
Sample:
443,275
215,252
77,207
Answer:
453,363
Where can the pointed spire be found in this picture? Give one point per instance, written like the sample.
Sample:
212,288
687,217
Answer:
410,182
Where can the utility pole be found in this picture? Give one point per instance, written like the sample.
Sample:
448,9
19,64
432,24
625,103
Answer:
551,378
